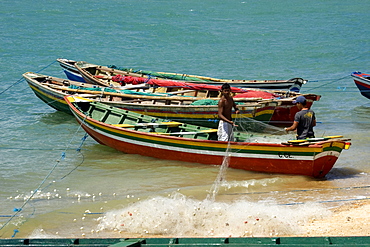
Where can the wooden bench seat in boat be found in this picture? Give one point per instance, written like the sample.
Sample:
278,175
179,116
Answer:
187,132
143,125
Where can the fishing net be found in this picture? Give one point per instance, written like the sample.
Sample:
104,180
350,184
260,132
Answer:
171,76
205,102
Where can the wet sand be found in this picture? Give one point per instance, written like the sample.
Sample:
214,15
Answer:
352,219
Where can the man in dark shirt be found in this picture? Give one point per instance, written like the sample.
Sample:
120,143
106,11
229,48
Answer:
304,120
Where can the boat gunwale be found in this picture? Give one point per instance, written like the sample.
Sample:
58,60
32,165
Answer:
219,144
87,65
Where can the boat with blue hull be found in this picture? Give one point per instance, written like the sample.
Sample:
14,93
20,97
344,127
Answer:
362,81
70,70
80,72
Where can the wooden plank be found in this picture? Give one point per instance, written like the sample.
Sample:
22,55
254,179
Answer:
186,133
161,124
311,141
182,91
332,137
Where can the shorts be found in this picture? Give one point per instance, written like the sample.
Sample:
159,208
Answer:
225,131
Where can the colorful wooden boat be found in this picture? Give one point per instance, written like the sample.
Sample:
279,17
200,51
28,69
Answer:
102,75
170,106
362,81
52,90
134,133
293,84
90,72
283,115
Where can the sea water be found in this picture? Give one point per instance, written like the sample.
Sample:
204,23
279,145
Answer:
54,183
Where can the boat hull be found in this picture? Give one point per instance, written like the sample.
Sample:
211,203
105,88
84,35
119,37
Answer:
278,113
73,76
285,112
362,82
88,71
202,115
51,97
313,160
248,118
315,167
70,70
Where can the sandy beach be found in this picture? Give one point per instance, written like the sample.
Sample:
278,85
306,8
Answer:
348,220
351,219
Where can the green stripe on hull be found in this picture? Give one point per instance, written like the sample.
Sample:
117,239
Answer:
333,148
52,101
205,148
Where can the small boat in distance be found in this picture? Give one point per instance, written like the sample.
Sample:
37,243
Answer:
134,133
362,81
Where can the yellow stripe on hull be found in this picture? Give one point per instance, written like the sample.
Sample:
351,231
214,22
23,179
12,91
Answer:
48,95
200,143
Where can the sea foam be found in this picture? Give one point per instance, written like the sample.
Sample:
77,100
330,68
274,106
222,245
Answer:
178,215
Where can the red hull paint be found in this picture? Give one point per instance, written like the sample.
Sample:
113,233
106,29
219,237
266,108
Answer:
362,84
318,168
285,113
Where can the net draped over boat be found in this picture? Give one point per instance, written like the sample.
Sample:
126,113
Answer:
180,77
242,93
166,83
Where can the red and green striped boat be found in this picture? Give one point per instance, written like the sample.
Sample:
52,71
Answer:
362,81
101,75
134,133
52,90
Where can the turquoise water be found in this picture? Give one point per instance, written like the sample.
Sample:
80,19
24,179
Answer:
322,42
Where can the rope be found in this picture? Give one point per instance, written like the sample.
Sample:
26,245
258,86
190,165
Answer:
17,210
318,80
63,155
334,80
83,157
48,149
22,79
